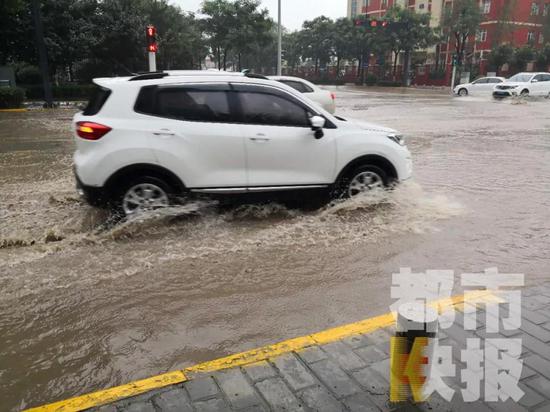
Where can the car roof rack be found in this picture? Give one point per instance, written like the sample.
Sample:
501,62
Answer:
149,76
256,76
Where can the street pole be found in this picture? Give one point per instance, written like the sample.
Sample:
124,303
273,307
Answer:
152,62
42,52
280,46
453,77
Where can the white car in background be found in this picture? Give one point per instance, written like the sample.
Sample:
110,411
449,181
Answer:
483,85
322,97
524,84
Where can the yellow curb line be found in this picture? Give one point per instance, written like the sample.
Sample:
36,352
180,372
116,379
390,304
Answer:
103,397
13,110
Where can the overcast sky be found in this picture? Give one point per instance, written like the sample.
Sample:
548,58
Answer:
295,12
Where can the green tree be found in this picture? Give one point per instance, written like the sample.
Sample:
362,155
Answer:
522,56
344,37
543,58
317,39
460,21
292,49
500,56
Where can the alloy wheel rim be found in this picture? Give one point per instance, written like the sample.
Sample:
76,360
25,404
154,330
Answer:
142,197
364,182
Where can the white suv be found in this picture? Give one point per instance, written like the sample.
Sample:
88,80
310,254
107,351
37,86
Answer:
144,142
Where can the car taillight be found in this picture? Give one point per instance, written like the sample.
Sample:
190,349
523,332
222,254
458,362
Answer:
91,131
333,96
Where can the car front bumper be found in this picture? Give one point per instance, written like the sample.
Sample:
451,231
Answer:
505,93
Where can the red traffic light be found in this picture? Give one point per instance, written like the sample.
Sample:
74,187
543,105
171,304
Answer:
153,48
384,23
151,32
374,23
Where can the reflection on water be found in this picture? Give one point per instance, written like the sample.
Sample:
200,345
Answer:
89,301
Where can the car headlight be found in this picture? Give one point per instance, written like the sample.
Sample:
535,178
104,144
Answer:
397,138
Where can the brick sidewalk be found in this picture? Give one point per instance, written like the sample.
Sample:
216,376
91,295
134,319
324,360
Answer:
352,374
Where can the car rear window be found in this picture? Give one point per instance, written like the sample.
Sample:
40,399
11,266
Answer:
97,100
301,87
185,103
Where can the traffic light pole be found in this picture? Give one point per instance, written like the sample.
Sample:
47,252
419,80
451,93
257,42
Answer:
453,77
152,62
42,52
279,45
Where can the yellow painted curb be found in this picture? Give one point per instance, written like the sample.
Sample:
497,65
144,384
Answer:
13,110
113,394
249,357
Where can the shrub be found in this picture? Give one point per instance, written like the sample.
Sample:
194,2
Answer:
26,74
327,81
11,97
371,79
63,92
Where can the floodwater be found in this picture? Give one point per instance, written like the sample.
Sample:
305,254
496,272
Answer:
86,304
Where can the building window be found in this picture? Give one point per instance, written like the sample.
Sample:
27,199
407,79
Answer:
354,8
421,6
546,9
534,9
486,6
481,36
384,4
531,37
541,38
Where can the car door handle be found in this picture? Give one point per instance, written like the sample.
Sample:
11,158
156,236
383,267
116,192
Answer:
260,137
164,132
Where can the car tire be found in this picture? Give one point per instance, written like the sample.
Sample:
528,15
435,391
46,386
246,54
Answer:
368,176
143,193
524,93
463,92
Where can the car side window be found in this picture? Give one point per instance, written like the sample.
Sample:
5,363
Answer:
545,78
495,81
193,104
269,109
481,81
538,78
299,86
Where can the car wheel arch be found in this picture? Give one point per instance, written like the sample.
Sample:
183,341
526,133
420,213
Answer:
370,159
130,172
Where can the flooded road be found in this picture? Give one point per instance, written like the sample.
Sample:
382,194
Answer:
87,305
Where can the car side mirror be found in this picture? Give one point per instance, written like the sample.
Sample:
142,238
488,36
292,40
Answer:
317,124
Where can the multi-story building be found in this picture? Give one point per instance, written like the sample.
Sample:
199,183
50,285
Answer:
515,22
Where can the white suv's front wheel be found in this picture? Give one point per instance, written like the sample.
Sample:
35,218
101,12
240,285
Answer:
362,180
144,194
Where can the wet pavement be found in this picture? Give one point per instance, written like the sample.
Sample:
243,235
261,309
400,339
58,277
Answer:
87,305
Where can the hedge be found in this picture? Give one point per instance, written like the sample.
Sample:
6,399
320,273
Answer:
327,81
63,92
11,97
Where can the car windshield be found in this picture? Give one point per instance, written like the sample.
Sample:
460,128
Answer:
523,78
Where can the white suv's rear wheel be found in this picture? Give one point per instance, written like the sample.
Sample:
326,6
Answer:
143,194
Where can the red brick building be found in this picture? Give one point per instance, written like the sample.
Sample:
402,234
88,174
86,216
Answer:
516,22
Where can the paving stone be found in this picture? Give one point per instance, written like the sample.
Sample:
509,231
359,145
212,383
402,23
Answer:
376,386
320,400
201,388
278,396
546,326
381,339
211,405
526,372
357,341
237,389
106,408
312,354
383,368
536,318
344,356
540,384
531,398
294,372
509,406
260,371
335,378
174,400
535,331
539,364
371,354
360,402
543,408
536,346
139,407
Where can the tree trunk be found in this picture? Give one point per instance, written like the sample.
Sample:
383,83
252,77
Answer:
394,76
407,68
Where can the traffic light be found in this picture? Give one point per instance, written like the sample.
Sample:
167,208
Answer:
151,33
372,23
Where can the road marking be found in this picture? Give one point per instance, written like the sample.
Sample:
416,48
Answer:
103,397
13,110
